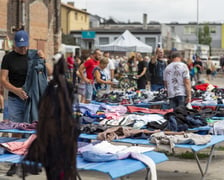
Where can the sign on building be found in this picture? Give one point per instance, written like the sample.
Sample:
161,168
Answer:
88,34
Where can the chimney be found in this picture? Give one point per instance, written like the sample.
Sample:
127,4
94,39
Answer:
71,3
144,21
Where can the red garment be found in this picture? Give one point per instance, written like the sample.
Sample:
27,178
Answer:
90,65
203,87
132,109
70,62
19,148
204,107
190,66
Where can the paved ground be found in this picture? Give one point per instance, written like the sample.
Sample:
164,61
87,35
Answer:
174,169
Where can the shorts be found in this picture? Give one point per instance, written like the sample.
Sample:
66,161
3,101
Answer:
208,71
16,109
89,92
82,89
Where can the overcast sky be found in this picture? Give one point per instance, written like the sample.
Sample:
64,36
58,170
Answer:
157,10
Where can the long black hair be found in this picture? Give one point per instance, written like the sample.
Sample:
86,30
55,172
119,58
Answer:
58,129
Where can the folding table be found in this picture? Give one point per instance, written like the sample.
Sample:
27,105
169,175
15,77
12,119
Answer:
114,169
194,148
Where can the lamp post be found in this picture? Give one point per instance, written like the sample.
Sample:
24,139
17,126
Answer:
197,22
198,50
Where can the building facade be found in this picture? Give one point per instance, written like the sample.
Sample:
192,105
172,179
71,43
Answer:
187,32
41,19
106,34
3,21
73,18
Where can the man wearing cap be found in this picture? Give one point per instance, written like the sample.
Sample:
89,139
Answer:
14,71
177,81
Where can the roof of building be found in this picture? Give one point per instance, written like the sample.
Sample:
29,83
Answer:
193,23
116,30
74,8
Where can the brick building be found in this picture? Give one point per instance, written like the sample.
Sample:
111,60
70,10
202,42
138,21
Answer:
40,18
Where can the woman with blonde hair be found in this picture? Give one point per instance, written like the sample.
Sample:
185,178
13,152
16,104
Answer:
100,79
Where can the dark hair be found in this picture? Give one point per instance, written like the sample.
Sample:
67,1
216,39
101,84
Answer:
175,54
105,52
84,57
57,131
94,52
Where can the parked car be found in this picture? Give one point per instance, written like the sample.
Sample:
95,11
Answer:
215,60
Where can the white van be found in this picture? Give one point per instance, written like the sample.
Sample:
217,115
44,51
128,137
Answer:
204,61
67,50
215,60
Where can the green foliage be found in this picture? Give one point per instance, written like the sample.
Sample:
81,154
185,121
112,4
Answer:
190,155
204,35
68,39
219,148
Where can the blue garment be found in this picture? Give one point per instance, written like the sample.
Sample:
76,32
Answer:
99,157
35,85
156,72
99,86
156,87
16,109
6,111
177,101
89,92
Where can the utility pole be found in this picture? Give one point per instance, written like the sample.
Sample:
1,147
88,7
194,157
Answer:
197,22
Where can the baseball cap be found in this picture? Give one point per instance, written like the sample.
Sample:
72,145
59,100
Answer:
21,38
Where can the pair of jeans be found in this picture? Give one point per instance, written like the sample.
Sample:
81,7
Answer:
177,101
89,92
156,87
16,109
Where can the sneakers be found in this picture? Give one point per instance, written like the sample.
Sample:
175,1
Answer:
115,81
12,170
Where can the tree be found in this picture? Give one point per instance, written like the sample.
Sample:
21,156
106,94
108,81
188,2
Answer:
204,36
68,39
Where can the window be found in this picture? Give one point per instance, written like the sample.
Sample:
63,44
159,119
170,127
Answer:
189,29
212,30
103,40
90,24
76,16
173,29
150,41
78,40
115,38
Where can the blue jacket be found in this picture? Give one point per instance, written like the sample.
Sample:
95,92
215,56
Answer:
35,85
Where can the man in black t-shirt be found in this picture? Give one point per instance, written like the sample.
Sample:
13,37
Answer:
142,68
13,75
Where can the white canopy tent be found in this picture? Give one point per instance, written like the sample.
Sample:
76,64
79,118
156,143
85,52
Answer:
126,42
